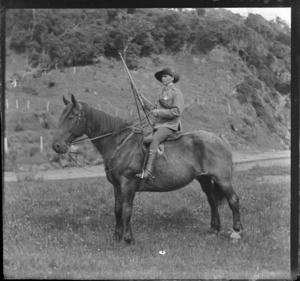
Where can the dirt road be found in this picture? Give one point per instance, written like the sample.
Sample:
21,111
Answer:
243,161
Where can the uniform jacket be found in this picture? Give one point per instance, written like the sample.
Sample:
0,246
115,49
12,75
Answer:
169,108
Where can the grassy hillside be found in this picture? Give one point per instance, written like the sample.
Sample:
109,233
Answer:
218,89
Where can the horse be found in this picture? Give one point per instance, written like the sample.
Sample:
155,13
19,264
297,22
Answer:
197,155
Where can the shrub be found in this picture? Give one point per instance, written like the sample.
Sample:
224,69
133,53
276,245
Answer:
206,43
275,96
157,61
284,38
268,77
254,58
283,88
245,92
248,121
279,50
33,151
262,113
18,41
288,103
30,91
132,59
18,127
253,82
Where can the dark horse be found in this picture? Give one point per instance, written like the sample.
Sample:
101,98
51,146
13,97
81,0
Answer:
195,155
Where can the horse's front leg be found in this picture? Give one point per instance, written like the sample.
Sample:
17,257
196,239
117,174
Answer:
129,188
118,214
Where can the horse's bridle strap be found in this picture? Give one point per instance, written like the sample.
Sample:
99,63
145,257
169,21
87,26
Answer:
95,138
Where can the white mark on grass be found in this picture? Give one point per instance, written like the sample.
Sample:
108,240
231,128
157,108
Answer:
162,253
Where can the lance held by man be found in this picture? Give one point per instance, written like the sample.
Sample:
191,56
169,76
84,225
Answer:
136,94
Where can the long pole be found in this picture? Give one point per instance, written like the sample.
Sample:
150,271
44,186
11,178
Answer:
133,88
135,93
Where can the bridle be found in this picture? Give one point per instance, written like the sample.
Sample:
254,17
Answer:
135,130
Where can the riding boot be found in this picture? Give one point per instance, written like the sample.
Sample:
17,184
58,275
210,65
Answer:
147,173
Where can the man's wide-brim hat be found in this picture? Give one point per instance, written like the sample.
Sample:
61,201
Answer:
158,75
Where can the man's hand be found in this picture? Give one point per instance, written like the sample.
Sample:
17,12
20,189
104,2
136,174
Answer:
155,112
166,113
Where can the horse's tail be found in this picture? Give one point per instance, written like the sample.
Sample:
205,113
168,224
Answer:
222,136
218,193
210,186
230,150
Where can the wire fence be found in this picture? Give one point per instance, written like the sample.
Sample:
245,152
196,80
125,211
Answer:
126,113
30,105
15,105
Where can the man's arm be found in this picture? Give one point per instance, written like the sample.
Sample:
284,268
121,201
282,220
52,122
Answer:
175,110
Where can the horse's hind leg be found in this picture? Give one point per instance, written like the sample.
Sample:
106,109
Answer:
208,187
233,202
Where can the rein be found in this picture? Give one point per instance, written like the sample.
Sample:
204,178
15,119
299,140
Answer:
134,131
118,148
95,138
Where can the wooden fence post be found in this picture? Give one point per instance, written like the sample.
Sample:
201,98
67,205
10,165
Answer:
41,144
6,103
5,145
17,104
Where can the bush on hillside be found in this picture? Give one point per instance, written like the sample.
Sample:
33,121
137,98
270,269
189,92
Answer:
248,94
18,127
253,82
60,38
262,112
284,38
245,92
19,41
279,50
260,25
30,91
267,76
283,88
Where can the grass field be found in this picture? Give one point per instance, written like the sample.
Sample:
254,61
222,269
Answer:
64,229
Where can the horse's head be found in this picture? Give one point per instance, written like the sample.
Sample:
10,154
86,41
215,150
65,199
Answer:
72,124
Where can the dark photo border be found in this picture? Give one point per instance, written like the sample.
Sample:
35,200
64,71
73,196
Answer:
295,83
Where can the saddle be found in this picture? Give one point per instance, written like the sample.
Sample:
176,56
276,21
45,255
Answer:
148,138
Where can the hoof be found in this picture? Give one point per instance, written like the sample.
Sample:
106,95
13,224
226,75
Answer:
117,236
235,235
213,232
129,242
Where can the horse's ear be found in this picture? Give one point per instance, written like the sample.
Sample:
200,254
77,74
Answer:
66,102
75,103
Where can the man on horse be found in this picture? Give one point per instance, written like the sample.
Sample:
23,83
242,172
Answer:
167,111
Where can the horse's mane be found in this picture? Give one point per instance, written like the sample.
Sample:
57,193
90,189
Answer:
107,123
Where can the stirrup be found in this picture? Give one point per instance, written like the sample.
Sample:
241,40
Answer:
142,176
